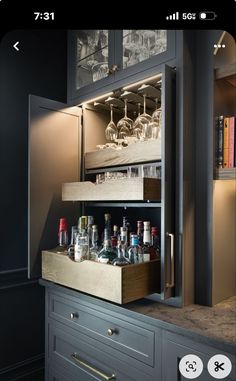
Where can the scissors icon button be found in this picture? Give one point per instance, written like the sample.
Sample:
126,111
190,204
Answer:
219,366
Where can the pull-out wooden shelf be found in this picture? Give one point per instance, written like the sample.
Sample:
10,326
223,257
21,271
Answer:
140,152
116,284
127,189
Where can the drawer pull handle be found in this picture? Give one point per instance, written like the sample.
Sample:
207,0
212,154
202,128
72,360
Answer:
76,357
172,261
110,331
74,315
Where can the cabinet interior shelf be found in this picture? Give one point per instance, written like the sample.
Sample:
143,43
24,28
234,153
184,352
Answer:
125,205
128,189
225,174
140,152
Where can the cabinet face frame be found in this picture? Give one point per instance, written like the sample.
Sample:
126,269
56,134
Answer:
116,80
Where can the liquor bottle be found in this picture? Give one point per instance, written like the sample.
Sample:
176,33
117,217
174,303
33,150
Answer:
94,250
62,236
134,250
107,225
82,242
146,241
71,248
155,253
115,231
124,234
127,225
107,254
114,242
140,232
121,259
89,229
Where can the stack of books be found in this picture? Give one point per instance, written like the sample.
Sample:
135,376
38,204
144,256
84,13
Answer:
225,142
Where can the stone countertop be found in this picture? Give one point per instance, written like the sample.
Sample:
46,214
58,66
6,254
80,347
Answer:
217,323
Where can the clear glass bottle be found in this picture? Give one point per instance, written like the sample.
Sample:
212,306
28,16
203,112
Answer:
155,243
62,236
134,250
95,249
82,241
121,259
89,229
115,231
107,224
124,234
71,248
140,232
107,254
146,241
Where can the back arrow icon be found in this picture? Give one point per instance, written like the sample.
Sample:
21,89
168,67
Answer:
15,46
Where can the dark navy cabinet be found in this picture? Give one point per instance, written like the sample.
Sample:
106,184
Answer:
175,347
101,60
89,339
93,342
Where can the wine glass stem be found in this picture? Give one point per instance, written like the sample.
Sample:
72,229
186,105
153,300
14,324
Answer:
125,108
144,103
112,113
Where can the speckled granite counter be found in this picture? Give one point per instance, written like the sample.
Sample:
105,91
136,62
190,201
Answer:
217,323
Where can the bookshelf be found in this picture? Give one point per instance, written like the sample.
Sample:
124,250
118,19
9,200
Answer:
225,108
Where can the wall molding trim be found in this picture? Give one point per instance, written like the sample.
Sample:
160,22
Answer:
15,278
21,370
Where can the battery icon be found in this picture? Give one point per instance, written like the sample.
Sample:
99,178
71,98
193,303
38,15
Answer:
207,15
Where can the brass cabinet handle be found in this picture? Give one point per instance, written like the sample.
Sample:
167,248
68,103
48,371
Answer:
74,315
76,357
113,69
110,331
172,261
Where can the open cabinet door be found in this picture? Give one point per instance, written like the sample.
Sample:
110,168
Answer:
168,184
54,158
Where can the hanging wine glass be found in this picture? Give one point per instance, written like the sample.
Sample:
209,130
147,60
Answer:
137,126
155,123
125,125
111,131
144,119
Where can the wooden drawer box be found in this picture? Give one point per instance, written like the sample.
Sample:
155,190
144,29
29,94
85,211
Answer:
122,335
117,284
140,152
137,189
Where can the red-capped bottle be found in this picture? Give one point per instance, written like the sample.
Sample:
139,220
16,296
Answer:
155,248
62,236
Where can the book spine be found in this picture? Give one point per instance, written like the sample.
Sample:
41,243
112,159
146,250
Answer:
219,141
226,143
231,141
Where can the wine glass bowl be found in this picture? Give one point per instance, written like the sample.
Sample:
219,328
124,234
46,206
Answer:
111,131
125,125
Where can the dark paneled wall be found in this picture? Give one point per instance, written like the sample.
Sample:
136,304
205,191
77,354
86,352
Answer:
38,68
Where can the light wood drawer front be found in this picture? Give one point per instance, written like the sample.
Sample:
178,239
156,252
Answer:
122,335
82,355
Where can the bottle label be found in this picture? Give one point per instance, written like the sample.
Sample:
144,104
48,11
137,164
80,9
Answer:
81,252
146,257
103,260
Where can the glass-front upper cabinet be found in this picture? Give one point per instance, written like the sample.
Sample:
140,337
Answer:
140,45
101,60
92,53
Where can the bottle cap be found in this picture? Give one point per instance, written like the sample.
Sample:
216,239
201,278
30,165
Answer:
154,230
90,220
63,224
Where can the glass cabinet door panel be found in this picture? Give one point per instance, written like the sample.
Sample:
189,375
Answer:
91,56
140,45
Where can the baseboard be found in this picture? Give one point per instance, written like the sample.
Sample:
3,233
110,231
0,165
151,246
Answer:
32,369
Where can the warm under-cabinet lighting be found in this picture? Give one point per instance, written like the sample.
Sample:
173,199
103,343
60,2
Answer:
98,98
145,80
